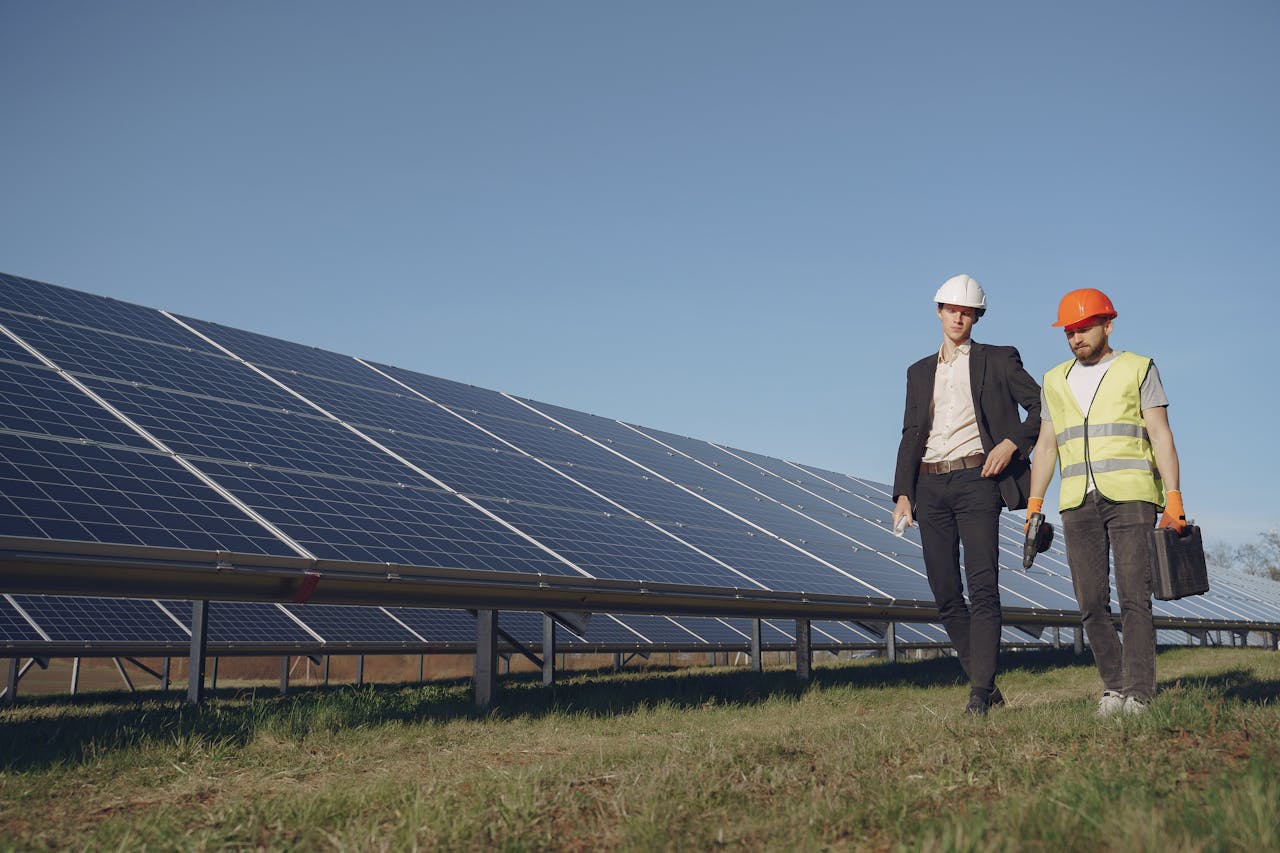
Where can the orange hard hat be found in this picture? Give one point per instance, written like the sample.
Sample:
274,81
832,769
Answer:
1079,305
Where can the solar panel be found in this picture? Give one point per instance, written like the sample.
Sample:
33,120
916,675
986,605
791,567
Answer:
239,624
266,351
345,519
36,298
14,627
65,490
338,624
716,630
109,355
36,399
439,625
101,620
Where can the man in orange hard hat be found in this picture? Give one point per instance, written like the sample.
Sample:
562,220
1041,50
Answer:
962,459
1104,421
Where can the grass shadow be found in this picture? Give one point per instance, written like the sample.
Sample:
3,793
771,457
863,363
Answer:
74,730
1234,685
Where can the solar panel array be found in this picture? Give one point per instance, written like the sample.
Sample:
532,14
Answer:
128,426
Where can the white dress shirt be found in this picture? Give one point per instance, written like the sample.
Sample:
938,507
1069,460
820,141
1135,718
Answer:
954,434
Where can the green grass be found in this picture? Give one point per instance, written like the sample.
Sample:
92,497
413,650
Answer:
868,756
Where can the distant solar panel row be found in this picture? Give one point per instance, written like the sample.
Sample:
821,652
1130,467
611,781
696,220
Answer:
122,425
115,624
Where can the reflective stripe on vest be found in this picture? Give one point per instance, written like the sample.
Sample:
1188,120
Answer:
1111,443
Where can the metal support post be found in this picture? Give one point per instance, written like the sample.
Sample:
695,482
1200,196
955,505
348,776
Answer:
284,675
1057,637
617,661
485,679
1231,637
1077,639
326,670
548,650
11,692
75,676
757,664
891,642
199,642
422,667
164,675
213,673
360,670
804,650
1244,638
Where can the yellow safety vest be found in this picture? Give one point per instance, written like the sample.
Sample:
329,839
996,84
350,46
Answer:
1110,442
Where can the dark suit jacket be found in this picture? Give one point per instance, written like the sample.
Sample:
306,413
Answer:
1000,385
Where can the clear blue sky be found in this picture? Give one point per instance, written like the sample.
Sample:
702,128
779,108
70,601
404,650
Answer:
723,219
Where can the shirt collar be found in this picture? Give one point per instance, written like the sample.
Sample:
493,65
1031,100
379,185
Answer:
961,350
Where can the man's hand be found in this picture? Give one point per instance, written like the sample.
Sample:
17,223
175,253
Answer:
1034,505
1174,515
902,510
999,457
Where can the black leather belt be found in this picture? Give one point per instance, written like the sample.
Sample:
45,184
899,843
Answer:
948,465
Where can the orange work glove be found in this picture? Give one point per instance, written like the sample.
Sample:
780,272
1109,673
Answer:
1034,505
1174,515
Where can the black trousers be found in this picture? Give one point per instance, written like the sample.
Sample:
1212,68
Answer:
964,507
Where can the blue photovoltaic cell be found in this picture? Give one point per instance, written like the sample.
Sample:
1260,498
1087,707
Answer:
862,635
490,473
772,564
241,623
617,547
838,632
36,399
778,631
93,353
275,352
605,547
604,629
90,493
549,442
912,632
341,519
660,629
101,620
522,625
86,309
199,427
714,630
458,395
10,351
389,407
439,625
339,624
13,628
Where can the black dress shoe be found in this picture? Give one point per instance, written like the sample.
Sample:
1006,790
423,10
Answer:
979,702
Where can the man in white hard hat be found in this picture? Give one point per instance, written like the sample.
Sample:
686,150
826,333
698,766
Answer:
963,458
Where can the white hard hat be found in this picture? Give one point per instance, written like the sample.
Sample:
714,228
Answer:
962,290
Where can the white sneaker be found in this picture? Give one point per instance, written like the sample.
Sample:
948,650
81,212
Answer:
1134,706
1111,703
